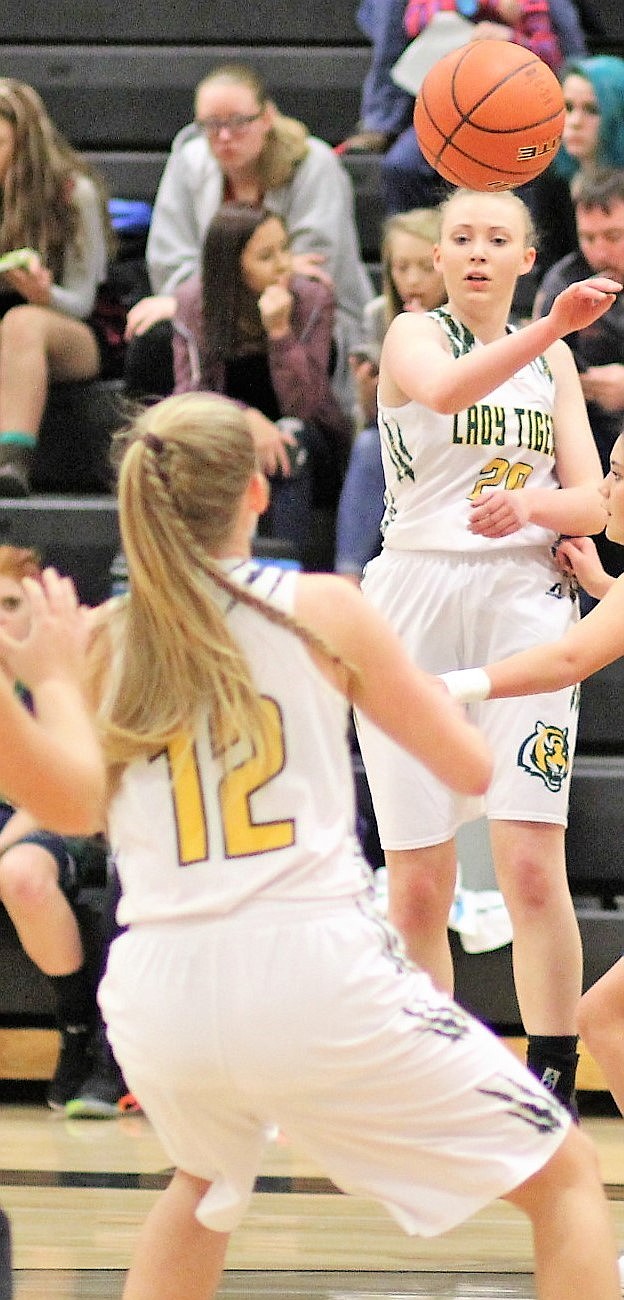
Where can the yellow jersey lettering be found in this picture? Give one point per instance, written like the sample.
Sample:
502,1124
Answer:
189,810
535,430
500,473
480,426
241,835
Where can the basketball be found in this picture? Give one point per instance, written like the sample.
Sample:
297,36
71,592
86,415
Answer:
489,115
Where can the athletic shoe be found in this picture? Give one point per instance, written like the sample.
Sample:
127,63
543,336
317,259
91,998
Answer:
72,1067
15,466
104,1095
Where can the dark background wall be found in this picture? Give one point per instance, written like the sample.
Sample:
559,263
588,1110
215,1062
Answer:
123,74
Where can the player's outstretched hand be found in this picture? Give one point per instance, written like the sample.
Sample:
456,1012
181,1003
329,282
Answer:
57,640
582,303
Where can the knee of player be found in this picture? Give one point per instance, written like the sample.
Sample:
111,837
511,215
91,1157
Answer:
576,1160
28,877
531,884
595,1018
573,1167
422,906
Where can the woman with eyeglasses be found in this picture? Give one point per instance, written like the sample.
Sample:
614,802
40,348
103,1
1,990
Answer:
241,149
593,139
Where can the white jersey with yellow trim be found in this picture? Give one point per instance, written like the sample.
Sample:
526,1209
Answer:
435,465
193,836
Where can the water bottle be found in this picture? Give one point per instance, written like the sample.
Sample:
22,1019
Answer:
119,575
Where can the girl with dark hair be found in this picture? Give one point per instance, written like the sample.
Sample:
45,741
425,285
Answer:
248,328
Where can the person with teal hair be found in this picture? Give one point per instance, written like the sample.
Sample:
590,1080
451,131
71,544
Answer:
599,80
593,139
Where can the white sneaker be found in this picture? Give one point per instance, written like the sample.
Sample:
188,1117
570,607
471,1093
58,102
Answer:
621,1271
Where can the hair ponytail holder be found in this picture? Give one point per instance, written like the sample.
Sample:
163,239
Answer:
154,443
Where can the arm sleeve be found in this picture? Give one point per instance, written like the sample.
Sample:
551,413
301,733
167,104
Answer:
299,362
384,106
299,365
174,240
319,206
567,24
85,268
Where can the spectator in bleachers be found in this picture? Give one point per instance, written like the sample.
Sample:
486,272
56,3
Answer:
550,28
410,283
52,204
593,138
241,149
598,350
246,326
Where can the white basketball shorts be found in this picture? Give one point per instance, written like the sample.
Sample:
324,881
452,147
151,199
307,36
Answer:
453,611
306,1017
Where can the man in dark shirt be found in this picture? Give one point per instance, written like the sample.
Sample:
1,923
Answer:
599,349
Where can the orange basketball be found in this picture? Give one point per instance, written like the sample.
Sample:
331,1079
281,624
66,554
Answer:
489,115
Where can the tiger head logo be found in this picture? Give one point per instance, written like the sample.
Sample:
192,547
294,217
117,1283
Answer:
545,754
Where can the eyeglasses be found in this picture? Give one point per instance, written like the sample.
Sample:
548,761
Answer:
234,125
590,110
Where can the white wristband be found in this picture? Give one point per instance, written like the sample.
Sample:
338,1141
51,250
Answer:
467,684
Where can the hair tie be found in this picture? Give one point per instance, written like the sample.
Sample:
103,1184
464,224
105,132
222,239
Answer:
154,443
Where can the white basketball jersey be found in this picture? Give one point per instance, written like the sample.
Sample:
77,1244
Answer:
435,465
194,836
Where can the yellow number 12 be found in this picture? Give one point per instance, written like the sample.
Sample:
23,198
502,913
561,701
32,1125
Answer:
242,836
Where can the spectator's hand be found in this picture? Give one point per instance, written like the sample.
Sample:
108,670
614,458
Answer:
582,303
33,283
275,307
366,379
604,385
55,647
499,512
487,31
510,12
578,556
312,264
148,312
271,443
